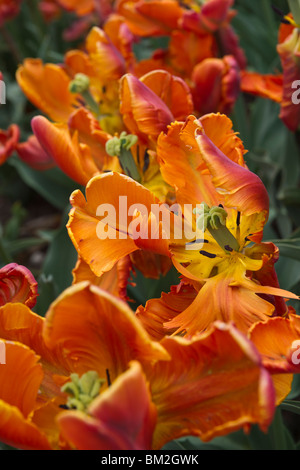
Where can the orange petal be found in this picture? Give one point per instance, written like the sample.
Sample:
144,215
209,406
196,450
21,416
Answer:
181,162
97,331
106,60
19,323
242,189
114,281
8,141
278,342
101,242
159,311
121,418
144,113
18,394
151,18
17,284
187,49
172,90
74,159
81,7
265,86
47,87
218,300
216,85
214,384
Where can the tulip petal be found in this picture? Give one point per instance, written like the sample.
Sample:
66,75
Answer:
213,385
97,331
47,87
17,284
121,418
144,113
101,242
74,159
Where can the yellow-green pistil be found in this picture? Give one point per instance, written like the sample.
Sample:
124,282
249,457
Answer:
81,85
82,390
213,219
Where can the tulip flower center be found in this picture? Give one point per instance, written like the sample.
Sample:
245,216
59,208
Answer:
120,147
81,85
213,219
82,390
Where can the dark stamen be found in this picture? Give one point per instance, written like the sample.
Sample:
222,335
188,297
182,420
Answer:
228,248
146,161
238,219
206,253
108,378
195,242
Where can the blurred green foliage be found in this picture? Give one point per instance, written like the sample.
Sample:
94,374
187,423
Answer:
273,153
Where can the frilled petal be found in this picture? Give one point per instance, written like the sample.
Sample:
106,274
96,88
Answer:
20,379
122,418
241,188
114,281
182,165
278,342
186,50
9,140
89,132
47,87
213,385
34,155
172,90
97,331
74,159
265,86
106,60
216,85
267,276
219,300
159,311
101,228
144,113
17,284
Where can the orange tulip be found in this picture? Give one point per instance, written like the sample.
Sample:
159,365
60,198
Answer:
216,85
221,364
48,352
111,423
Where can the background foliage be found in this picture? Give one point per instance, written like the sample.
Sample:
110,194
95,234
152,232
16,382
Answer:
34,205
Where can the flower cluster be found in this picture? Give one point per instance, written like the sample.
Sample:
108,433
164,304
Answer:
163,184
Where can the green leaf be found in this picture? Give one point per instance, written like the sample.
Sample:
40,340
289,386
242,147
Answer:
291,405
53,185
60,259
